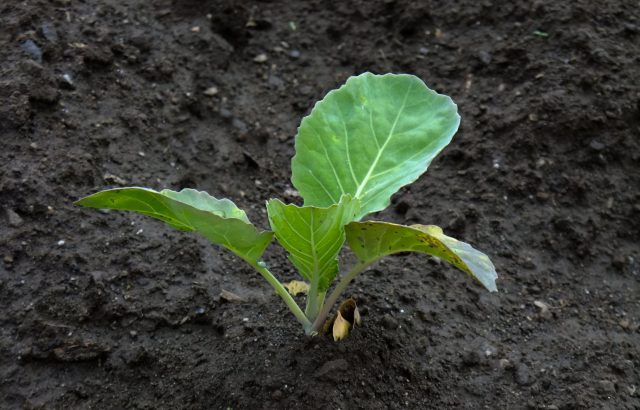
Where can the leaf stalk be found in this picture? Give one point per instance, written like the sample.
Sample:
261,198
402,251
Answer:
282,292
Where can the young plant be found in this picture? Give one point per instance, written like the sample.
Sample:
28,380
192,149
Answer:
359,146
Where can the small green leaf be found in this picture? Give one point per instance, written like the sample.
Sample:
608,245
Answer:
372,240
219,220
312,236
370,137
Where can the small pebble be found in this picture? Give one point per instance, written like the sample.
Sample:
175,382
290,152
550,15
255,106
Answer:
14,219
545,313
230,296
240,125
49,32
225,113
606,387
485,57
295,54
389,322
32,49
505,364
113,179
261,58
61,242
211,91
67,81
542,195
596,145
528,263
290,192
523,375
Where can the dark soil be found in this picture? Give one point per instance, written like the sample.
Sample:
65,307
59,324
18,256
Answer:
116,311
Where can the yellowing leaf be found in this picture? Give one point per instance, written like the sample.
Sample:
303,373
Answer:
340,328
372,240
357,320
296,287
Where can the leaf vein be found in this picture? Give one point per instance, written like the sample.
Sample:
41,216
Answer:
388,139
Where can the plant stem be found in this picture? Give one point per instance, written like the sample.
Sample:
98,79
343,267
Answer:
333,298
311,311
314,304
282,292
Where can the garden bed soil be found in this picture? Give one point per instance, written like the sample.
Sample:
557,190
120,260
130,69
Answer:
114,311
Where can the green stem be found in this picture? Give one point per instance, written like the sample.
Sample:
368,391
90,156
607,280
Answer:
315,302
333,298
282,292
311,311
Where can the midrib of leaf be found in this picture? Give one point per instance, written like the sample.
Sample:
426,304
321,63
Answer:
158,214
373,129
388,139
393,168
315,246
313,249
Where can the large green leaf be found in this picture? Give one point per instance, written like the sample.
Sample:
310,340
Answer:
219,220
372,240
313,236
370,137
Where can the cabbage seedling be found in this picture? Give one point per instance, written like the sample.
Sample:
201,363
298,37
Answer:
357,147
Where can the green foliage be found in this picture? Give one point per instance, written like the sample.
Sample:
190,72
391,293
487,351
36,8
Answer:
370,137
359,146
312,236
218,220
372,240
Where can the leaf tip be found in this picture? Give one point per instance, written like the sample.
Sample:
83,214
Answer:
357,319
491,286
82,201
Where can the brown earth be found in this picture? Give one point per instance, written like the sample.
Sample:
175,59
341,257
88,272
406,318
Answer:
115,311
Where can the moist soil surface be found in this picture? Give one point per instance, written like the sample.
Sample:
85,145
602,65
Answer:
116,311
